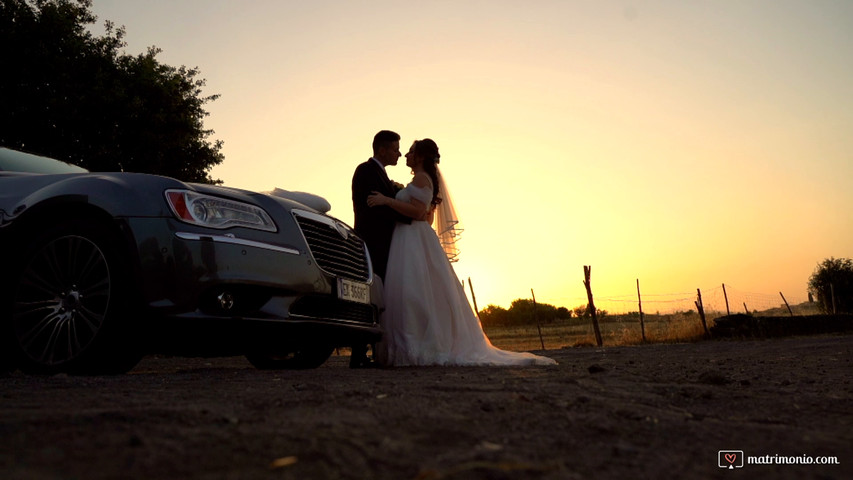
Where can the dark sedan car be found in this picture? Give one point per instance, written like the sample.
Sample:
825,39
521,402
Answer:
98,269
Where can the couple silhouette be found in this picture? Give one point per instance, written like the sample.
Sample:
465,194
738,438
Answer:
411,233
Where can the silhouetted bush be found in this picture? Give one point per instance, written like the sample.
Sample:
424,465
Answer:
832,285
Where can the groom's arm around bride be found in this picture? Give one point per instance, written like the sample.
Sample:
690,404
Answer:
376,225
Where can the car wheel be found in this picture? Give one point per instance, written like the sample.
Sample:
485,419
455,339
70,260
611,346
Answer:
70,304
305,358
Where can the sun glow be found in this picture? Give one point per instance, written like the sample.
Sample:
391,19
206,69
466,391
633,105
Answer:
685,145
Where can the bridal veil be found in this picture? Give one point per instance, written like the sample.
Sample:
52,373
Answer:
446,222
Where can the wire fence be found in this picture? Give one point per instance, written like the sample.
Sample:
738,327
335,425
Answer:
672,317
721,299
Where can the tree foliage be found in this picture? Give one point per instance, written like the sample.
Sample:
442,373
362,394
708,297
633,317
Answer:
494,315
68,94
521,312
833,278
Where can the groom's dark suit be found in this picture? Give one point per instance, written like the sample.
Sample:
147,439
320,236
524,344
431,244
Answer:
374,225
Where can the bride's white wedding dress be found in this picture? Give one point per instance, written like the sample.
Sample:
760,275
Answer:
428,320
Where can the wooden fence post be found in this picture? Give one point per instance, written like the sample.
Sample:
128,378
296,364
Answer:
786,304
536,318
473,297
640,302
587,270
701,309
745,309
726,296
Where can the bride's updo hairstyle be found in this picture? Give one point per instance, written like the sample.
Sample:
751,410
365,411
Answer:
428,151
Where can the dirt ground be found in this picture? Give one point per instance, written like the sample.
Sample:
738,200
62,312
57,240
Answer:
651,411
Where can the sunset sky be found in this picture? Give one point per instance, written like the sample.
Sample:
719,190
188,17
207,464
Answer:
682,143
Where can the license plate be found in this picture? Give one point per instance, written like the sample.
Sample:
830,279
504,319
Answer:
353,291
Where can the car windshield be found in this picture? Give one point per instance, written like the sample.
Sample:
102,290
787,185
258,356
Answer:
14,161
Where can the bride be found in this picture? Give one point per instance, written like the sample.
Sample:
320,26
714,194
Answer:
428,320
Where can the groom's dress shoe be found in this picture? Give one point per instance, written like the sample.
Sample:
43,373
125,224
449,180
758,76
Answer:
355,362
360,359
363,362
366,364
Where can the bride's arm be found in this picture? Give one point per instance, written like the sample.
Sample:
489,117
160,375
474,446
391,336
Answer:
429,216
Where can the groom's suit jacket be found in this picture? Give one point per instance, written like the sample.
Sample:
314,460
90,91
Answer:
375,225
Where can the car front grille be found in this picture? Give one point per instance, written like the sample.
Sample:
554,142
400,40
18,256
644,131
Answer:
325,308
343,257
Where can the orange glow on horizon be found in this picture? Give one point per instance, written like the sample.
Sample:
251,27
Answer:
685,145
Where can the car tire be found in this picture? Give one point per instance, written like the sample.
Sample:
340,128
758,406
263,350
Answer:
70,309
302,359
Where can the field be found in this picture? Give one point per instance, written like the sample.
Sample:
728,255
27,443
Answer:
617,330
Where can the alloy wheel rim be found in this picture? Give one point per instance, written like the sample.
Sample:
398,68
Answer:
62,300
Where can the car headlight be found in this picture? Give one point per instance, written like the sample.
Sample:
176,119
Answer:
217,212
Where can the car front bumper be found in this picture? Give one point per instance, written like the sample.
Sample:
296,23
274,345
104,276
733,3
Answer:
205,286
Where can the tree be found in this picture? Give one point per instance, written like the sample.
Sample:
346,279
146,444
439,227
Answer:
68,94
833,278
582,311
521,313
494,315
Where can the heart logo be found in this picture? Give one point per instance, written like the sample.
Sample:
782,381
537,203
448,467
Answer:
731,457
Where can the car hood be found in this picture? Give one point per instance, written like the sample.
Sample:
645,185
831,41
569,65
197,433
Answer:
123,194
288,200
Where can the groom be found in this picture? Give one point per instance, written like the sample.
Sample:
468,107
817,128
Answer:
375,225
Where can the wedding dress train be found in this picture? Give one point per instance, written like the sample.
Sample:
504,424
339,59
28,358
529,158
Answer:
428,320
